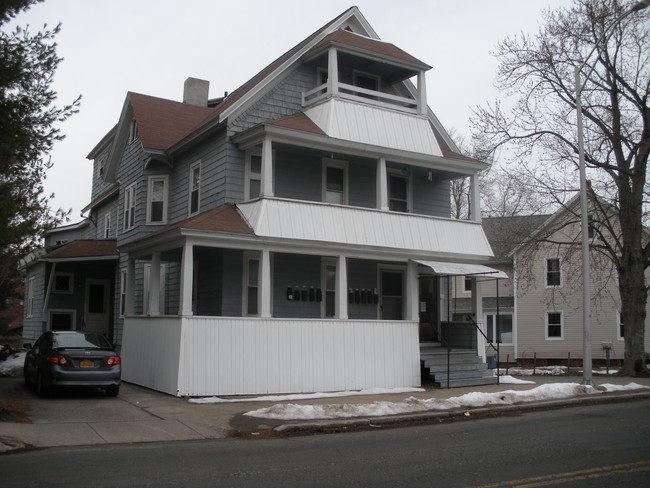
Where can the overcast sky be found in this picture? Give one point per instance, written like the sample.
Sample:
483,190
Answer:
152,46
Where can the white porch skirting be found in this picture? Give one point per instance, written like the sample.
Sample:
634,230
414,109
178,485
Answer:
203,356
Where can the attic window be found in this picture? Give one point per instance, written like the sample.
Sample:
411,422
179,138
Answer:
133,131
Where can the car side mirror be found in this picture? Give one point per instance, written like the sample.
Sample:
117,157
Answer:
28,345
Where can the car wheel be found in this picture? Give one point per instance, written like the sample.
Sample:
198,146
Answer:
113,390
42,388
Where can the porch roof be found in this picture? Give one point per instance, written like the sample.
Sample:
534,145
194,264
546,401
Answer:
364,228
83,250
462,269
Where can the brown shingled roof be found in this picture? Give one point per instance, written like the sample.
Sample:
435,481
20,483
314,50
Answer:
162,122
364,43
298,121
224,218
84,248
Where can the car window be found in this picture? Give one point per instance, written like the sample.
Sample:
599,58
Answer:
81,340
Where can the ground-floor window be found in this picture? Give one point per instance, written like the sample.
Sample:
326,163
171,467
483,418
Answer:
252,274
392,294
554,325
62,319
504,335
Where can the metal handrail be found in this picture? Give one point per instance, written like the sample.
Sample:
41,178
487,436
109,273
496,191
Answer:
496,349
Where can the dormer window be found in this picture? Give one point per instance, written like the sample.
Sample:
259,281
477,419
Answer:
366,81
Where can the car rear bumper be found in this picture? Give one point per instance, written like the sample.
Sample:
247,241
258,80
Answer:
65,377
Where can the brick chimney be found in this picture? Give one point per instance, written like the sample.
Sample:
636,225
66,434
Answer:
195,92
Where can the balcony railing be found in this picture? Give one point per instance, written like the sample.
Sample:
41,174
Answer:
363,95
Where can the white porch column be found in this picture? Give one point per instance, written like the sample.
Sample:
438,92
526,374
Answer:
412,292
477,310
267,168
475,199
382,185
341,310
332,72
265,284
187,279
130,287
422,93
154,285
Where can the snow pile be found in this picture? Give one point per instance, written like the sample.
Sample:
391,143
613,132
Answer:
305,396
12,365
292,411
511,380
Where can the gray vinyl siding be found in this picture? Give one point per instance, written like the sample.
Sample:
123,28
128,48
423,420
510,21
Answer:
297,271
298,176
98,183
131,170
362,183
430,197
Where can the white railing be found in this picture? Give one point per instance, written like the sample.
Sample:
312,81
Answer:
351,92
203,356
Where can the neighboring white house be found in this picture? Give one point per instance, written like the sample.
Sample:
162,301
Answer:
540,306
277,239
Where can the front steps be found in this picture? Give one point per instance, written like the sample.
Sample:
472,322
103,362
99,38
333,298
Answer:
466,368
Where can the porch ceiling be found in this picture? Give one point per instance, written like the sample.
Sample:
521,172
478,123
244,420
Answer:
406,234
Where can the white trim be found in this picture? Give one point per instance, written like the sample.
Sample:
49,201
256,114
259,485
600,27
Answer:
128,210
619,336
29,298
70,311
122,299
396,172
248,174
248,257
165,199
327,262
193,166
546,324
355,79
559,261
338,164
493,314
147,286
107,225
70,288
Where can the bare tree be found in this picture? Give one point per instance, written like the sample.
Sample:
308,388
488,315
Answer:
538,73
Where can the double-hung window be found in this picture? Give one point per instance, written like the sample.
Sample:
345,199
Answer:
553,272
29,308
335,181
253,187
252,285
195,187
157,200
122,293
554,328
129,207
107,225
397,193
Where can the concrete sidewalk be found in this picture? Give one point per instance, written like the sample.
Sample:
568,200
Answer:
142,415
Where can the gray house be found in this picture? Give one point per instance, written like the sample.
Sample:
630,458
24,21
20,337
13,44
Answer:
288,237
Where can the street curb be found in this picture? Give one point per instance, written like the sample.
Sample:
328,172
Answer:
366,423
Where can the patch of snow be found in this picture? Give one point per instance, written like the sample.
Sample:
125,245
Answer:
12,365
511,380
305,396
629,386
292,411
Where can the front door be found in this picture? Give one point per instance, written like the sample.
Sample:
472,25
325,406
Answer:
392,294
428,303
97,311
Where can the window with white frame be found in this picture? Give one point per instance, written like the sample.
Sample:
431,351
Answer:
133,131
195,187
398,200
367,81
63,283
29,305
554,326
157,200
328,307
620,329
504,333
253,187
467,284
553,272
129,208
251,285
107,225
335,187
122,293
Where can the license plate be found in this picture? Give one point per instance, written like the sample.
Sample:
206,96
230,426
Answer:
85,363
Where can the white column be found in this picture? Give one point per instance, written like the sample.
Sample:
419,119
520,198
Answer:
412,292
477,310
341,310
267,167
130,287
475,199
154,285
187,279
265,284
332,72
382,185
422,93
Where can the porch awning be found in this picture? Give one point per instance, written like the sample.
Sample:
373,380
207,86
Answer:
83,250
462,269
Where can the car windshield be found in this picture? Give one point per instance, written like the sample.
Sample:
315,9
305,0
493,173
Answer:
81,340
